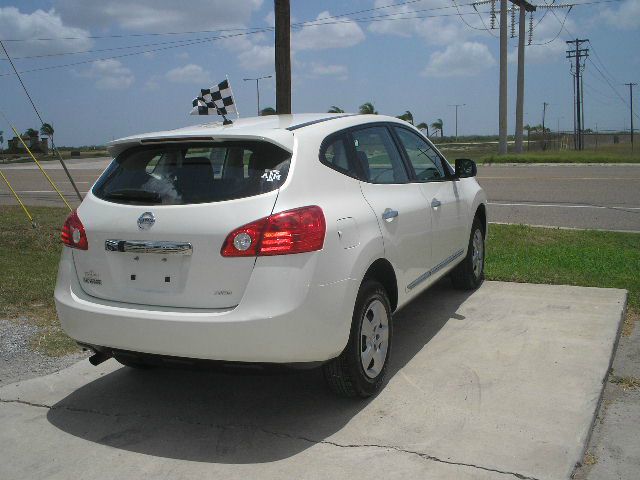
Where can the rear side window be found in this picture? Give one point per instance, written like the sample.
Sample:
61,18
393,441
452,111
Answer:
378,157
178,174
335,155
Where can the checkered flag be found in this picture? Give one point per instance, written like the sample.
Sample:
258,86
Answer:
216,100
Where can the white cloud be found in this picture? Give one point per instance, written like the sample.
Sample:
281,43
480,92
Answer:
110,74
250,54
339,72
339,35
459,59
627,16
403,22
39,24
190,73
157,15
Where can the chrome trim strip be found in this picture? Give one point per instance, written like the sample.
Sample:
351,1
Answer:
435,269
161,248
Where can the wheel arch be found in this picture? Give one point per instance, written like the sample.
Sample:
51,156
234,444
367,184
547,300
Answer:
382,271
481,214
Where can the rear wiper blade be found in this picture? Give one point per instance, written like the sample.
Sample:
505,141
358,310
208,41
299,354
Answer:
135,195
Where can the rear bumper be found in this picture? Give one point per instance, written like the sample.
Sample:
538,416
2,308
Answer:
284,317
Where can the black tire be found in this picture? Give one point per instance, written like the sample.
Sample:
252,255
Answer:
463,275
132,362
345,375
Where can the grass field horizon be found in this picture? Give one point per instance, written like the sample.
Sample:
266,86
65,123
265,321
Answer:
515,253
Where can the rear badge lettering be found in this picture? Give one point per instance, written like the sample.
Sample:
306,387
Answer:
271,175
222,292
91,278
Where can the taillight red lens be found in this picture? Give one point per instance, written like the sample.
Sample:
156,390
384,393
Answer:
243,241
294,231
73,234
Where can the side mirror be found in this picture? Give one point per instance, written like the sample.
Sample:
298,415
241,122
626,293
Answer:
465,168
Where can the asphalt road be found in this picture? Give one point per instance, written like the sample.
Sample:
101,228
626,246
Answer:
580,196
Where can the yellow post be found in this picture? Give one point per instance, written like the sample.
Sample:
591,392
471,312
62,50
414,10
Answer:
33,223
42,169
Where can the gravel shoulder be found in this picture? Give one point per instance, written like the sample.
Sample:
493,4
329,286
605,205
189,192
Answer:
19,362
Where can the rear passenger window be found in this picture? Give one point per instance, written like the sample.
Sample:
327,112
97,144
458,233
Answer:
334,155
378,157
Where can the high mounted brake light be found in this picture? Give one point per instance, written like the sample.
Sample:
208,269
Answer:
293,231
73,234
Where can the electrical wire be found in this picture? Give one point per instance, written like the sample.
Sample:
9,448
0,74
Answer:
245,29
611,86
211,39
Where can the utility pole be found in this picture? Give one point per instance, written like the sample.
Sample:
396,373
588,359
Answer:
282,12
524,7
544,131
457,105
578,54
631,85
257,80
502,101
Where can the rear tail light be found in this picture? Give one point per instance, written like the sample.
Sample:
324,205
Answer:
294,231
73,234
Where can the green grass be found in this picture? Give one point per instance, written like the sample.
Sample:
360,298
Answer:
568,156
518,253
487,153
29,259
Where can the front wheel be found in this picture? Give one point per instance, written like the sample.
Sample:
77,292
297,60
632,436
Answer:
469,274
360,369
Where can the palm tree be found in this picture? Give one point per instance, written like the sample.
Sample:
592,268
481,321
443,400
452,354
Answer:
31,132
407,117
268,111
335,109
423,126
438,126
1,140
47,130
368,109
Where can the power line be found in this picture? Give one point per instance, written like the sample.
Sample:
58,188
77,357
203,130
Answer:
309,22
602,63
320,22
73,184
611,86
211,39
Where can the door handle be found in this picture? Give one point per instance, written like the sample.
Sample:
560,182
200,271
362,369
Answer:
389,214
435,203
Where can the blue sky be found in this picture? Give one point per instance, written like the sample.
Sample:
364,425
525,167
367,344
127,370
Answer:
417,64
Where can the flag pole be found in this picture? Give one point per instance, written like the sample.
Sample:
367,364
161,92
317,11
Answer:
33,223
233,96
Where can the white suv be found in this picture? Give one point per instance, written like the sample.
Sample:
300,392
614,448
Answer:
284,239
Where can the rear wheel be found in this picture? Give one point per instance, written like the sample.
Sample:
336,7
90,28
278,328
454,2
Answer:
469,274
360,369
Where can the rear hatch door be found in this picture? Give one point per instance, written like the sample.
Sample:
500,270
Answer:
157,218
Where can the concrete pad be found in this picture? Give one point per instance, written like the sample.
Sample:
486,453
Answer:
501,383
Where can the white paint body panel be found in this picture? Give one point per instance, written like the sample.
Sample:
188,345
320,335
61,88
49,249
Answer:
283,309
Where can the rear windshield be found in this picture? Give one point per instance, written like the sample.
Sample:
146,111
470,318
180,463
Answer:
178,174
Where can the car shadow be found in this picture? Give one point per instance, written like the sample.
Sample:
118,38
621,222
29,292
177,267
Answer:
213,416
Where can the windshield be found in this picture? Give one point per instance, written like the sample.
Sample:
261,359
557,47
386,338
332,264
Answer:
184,173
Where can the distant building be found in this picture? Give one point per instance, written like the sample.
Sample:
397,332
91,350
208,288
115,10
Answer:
34,142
